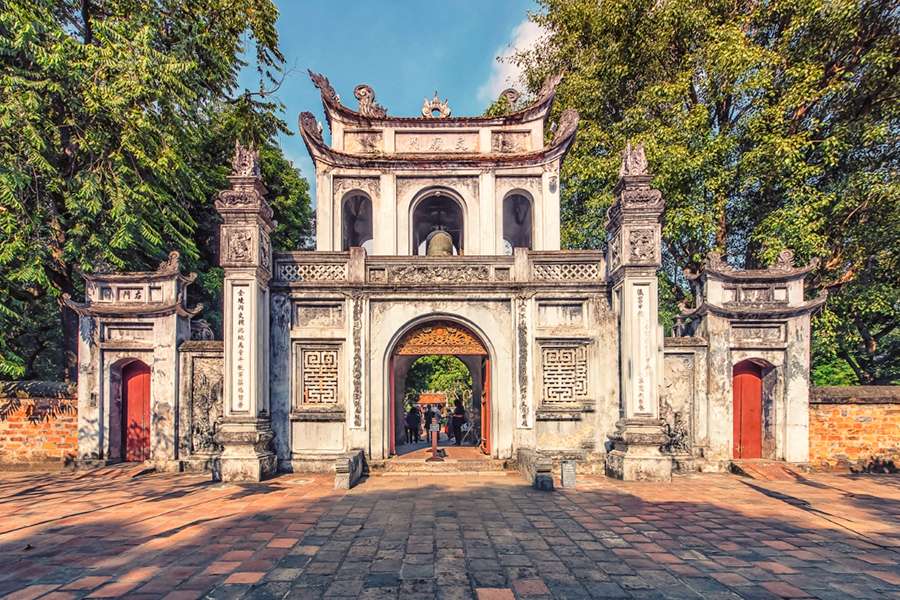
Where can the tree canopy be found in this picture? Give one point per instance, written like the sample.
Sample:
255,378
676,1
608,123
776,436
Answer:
439,373
768,125
117,122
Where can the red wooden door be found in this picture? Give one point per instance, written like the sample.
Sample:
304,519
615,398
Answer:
136,416
747,390
486,407
392,446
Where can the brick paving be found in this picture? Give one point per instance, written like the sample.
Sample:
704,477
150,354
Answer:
449,537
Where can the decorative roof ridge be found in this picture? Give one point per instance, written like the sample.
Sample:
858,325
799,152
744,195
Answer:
783,268
769,311
562,140
371,113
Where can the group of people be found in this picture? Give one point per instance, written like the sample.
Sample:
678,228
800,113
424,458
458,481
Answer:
451,423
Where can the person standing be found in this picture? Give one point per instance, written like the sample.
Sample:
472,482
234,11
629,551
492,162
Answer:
459,419
429,418
417,424
410,424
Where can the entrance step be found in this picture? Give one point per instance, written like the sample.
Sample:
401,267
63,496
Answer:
765,470
400,466
116,472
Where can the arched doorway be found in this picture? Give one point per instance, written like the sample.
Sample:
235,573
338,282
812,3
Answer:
747,390
136,411
441,337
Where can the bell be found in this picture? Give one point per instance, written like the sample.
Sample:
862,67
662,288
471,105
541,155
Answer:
439,244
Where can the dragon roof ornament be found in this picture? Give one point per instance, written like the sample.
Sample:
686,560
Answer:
367,105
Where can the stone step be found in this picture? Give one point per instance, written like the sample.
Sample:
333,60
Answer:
400,466
765,470
116,472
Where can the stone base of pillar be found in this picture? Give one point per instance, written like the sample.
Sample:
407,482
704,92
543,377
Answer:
246,450
636,454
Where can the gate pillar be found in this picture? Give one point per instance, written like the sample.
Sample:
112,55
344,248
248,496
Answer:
246,257
634,230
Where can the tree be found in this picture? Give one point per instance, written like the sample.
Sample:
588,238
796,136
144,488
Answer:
439,373
117,120
768,125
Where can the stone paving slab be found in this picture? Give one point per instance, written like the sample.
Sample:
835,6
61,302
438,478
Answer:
490,538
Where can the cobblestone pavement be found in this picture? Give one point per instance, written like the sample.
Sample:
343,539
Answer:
454,536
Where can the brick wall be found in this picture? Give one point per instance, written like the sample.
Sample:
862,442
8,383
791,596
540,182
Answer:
855,427
38,424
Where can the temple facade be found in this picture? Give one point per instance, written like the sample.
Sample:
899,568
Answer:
440,235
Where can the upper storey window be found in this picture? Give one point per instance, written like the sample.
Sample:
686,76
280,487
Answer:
357,221
516,222
437,213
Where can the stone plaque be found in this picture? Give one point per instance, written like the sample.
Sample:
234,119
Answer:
561,314
510,141
319,315
363,142
410,142
127,331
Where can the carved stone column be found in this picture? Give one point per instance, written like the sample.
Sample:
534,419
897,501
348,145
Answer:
633,258
246,256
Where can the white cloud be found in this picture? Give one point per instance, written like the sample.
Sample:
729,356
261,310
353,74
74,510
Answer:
505,74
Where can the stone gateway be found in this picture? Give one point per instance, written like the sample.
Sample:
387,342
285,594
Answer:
440,235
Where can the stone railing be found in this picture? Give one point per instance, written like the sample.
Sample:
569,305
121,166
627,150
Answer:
354,267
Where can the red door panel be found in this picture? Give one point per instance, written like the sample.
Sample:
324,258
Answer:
136,417
486,408
747,390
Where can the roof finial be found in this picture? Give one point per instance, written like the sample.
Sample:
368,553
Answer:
429,107
634,162
245,162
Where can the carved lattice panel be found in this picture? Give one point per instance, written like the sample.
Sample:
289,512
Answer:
311,272
564,374
319,375
565,271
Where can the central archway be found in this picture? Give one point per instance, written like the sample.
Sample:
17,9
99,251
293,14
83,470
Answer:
441,336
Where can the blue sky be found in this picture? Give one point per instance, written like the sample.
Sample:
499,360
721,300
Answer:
404,49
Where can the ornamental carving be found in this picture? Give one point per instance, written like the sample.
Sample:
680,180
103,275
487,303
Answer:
440,274
405,185
240,242
206,404
676,429
642,245
238,198
430,107
325,88
510,141
342,185
319,375
201,330
265,254
634,161
311,271
568,271
245,162
523,361
615,252
312,127
357,360
511,96
532,184
440,337
367,105
645,196
564,373
549,85
785,261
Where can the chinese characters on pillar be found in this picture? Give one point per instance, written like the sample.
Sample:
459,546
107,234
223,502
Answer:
239,327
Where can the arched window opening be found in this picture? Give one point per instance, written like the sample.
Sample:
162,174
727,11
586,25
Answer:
438,213
357,219
516,222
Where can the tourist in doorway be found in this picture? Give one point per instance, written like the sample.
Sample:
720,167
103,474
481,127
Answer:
412,428
429,418
417,430
459,419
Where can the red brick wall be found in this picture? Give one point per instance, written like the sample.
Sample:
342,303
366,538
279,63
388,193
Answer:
38,424
855,427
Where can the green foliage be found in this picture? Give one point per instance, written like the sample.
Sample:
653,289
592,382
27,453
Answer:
768,125
117,122
439,373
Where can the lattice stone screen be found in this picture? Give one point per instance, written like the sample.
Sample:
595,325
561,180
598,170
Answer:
318,375
564,374
565,271
311,272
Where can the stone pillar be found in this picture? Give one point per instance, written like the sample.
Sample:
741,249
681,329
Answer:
246,256
634,230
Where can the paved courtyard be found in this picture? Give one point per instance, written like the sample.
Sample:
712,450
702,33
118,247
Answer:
490,537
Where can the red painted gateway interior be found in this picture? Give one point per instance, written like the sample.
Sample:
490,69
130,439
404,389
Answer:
136,416
747,388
